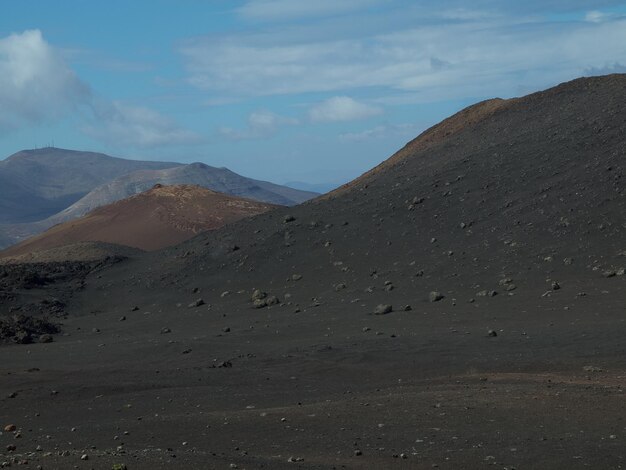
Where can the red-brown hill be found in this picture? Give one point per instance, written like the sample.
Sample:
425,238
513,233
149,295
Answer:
160,217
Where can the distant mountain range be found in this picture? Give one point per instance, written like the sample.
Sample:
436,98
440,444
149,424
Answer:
44,187
35,184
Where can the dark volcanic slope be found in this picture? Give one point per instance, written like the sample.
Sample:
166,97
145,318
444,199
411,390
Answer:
516,219
160,217
35,184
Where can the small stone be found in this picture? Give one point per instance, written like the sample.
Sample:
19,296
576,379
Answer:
122,318
555,285
288,218
10,428
165,331
196,303
11,448
592,369
272,300
84,457
296,277
609,273
435,296
358,453
258,295
492,333
259,303
383,309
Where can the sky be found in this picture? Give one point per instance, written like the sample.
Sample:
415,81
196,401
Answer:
283,90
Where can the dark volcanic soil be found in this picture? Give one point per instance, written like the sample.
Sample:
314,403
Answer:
514,224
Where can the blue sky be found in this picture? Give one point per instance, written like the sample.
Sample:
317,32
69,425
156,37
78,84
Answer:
284,90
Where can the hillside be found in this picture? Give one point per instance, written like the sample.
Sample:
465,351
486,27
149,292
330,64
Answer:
460,306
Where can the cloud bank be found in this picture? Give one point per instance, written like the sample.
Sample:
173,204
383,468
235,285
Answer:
38,86
441,52
35,82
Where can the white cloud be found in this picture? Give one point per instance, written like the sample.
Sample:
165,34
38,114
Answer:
341,108
261,124
118,123
597,16
37,85
35,82
268,10
438,56
381,132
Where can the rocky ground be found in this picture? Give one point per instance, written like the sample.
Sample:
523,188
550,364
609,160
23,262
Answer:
461,307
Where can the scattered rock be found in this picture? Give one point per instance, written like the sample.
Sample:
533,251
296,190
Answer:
435,296
196,303
592,369
46,338
258,295
383,309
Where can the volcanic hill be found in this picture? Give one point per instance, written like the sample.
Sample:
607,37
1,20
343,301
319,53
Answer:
61,185
160,217
462,305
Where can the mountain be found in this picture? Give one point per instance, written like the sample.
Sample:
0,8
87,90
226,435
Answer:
35,184
105,180
216,179
461,305
160,217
